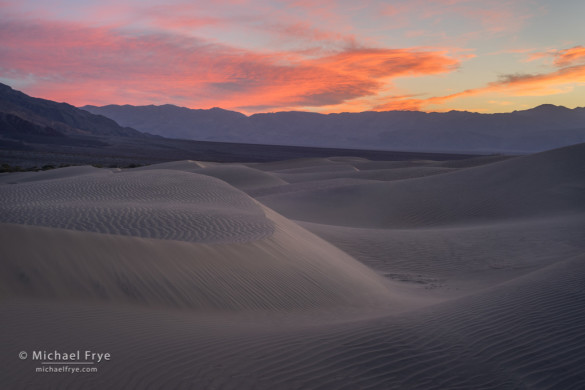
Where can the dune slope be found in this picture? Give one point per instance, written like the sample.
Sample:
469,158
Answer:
164,204
533,186
382,278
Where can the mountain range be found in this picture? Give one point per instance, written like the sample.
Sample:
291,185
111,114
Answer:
537,129
38,132
25,119
22,116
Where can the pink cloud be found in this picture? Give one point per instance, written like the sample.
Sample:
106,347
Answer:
98,65
306,34
487,17
145,53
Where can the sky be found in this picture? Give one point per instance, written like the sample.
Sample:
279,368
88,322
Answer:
322,56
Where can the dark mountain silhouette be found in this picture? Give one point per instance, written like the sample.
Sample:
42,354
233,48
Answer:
38,132
170,121
15,125
25,115
540,128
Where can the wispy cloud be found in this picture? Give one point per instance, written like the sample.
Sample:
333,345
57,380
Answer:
574,55
570,72
102,65
330,55
486,17
560,58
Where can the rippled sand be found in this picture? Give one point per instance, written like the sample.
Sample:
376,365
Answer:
337,273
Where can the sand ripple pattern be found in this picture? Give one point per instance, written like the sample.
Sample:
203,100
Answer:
162,204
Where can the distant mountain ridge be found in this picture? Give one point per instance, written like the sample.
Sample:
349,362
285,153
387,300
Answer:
22,115
540,128
38,132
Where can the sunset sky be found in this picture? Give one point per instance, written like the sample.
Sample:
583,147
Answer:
324,56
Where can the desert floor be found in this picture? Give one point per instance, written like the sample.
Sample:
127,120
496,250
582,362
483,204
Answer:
320,273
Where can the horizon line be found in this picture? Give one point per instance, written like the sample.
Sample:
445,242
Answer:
329,113
301,111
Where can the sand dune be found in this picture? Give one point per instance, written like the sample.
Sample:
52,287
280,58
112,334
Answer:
164,204
374,174
183,165
300,163
256,253
291,270
25,177
461,259
538,185
525,334
243,177
237,175
380,275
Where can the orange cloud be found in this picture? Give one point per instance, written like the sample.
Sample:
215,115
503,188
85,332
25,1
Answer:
380,63
559,81
538,55
402,104
540,84
82,65
570,56
562,58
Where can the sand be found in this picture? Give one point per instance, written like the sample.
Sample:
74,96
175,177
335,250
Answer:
333,273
